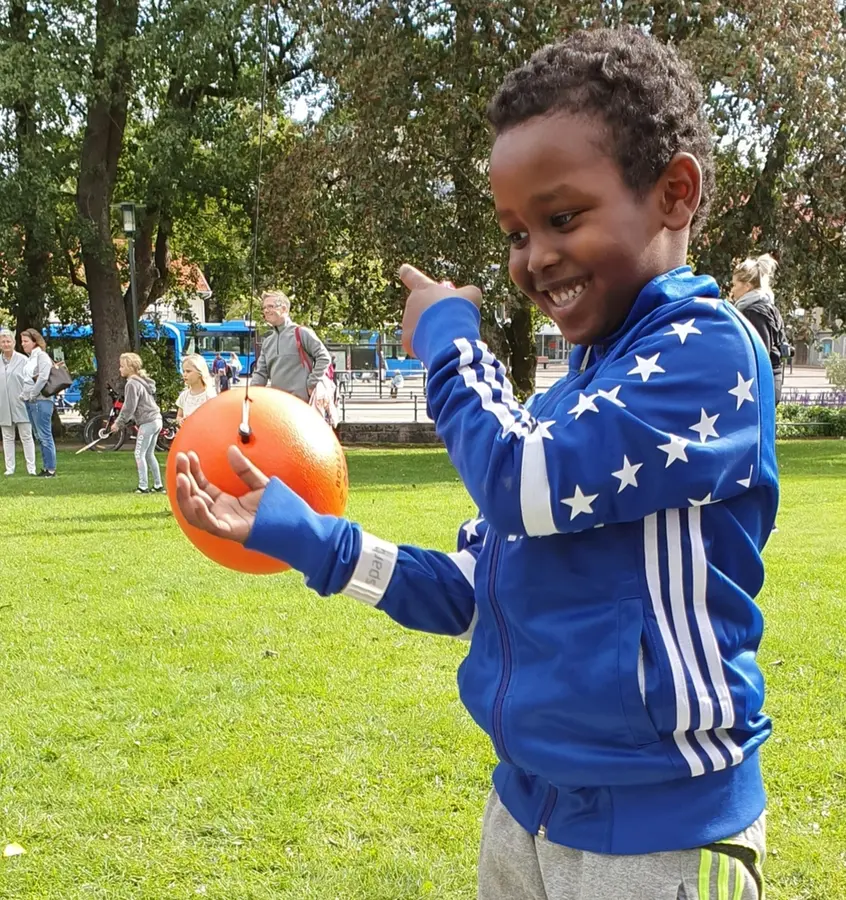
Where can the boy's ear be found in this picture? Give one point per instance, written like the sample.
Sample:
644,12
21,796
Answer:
680,190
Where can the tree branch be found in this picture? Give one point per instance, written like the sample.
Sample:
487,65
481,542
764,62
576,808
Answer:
72,272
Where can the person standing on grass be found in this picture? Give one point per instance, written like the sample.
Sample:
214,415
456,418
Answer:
199,386
140,405
607,585
292,357
752,293
13,412
39,408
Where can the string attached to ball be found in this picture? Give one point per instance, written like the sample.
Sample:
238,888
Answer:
244,430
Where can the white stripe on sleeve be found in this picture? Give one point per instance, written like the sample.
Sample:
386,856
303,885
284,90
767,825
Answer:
653,581
506,417
685,639
709,639
466,563
535,499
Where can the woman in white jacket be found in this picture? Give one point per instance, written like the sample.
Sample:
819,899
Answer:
39,407
12,408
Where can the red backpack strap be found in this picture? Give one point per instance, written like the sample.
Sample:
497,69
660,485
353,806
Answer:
303,355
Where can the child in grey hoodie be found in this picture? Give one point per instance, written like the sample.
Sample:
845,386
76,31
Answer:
140,404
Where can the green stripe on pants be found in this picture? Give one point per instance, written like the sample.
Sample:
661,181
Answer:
723,877
705,874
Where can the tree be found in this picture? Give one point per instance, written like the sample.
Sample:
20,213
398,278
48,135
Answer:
395,166
39,68
172,123
102,144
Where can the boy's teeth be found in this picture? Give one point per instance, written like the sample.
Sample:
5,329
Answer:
560,298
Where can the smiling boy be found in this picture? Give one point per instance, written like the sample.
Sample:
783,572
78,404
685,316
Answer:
608,584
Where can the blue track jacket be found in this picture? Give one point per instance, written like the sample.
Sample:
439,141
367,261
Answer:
608,583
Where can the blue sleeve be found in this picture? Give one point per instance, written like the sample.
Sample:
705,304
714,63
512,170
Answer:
435,592
422,589
672,420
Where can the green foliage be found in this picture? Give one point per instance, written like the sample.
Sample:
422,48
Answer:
394,168
391,166
832,416
161,367
835,370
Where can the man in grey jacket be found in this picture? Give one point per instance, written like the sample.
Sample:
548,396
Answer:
292,357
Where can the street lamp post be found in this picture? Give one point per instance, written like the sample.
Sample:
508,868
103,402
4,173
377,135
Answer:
128,212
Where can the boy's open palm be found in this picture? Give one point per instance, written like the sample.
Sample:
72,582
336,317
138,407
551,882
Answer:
207,507
425,293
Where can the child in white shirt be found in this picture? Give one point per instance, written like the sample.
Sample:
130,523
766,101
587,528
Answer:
199,386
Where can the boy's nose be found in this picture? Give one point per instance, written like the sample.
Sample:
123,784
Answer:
543,254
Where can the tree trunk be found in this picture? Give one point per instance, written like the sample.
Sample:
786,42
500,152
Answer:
152,260
101,149
521,344
33,284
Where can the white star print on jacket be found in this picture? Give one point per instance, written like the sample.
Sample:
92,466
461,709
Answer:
681,402
607,582
647,474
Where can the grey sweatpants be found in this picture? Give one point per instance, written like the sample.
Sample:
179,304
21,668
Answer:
516,865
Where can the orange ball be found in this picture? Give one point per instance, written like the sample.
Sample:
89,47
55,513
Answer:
289,440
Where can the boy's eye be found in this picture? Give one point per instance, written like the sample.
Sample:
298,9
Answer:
562,219
516,237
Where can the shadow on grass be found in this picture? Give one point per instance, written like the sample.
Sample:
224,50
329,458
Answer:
121,517
110,474
126,526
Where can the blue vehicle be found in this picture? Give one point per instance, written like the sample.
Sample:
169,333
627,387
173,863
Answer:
378,351
372,351
150,331
210,338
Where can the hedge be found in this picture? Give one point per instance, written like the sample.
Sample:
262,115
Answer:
797,413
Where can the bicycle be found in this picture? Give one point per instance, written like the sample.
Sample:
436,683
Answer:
100,426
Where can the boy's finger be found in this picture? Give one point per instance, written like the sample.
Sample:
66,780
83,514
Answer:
188,501
253,477
197,475
413,278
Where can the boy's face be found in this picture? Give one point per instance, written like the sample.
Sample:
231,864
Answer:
581,243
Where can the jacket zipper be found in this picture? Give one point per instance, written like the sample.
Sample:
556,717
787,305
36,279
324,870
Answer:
499,700
551,797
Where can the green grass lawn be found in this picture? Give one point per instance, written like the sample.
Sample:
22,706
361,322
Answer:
170,729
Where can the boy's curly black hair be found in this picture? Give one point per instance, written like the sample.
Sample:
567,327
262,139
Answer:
646,94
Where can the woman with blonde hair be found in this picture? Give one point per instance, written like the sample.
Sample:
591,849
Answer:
39,408
751,291
13,413
199,386
139,403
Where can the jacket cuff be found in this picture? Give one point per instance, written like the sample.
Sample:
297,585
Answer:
325,549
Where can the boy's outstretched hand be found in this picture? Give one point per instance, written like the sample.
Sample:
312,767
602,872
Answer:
205,505
425,293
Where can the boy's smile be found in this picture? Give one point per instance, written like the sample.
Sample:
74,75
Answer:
582,243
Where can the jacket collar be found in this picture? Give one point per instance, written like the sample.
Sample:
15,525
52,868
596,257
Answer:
671,287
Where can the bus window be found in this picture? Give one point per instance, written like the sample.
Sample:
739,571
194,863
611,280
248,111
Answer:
229,343
206,342
394,351
361,358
